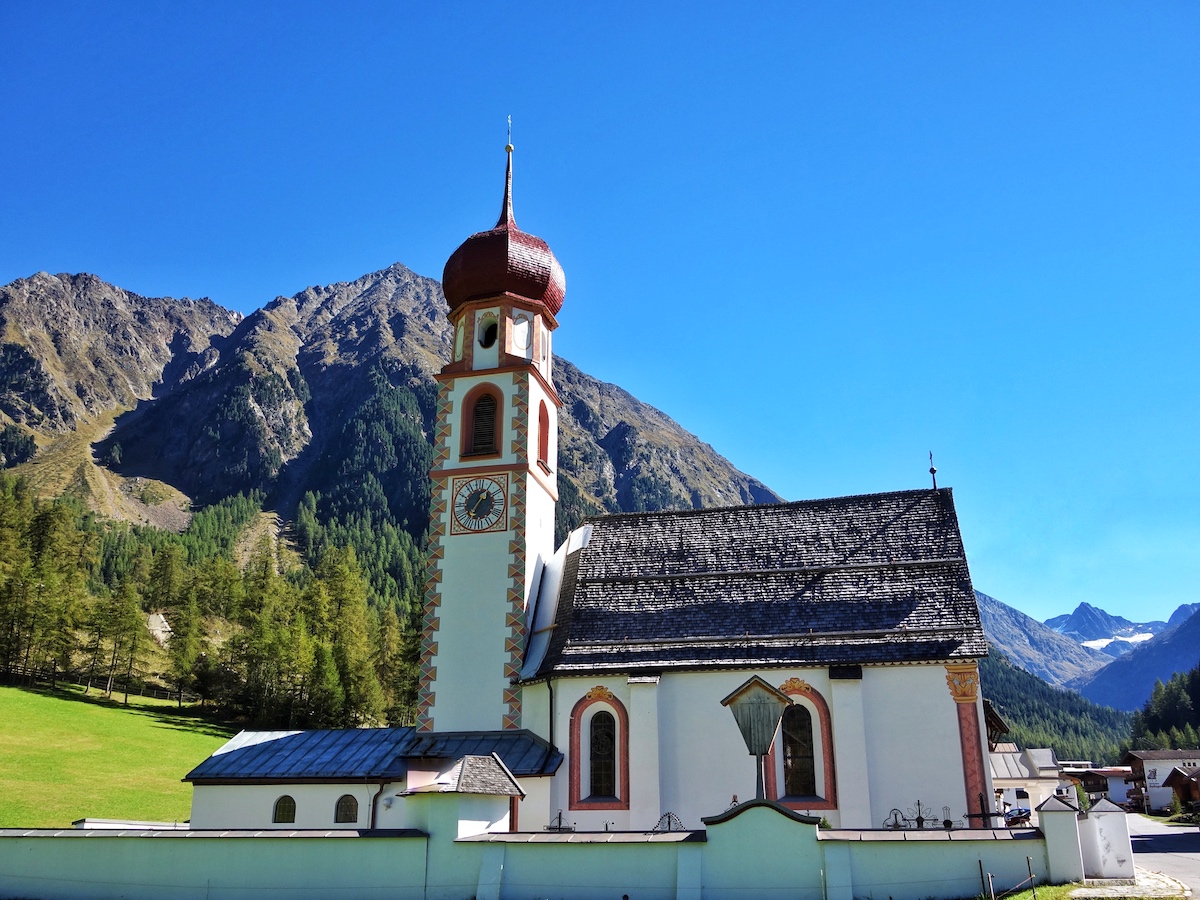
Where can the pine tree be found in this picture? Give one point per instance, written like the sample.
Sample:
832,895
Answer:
352,650
186,642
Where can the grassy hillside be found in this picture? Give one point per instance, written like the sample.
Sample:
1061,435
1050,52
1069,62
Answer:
64,756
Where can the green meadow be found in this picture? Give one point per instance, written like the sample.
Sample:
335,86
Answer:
66,756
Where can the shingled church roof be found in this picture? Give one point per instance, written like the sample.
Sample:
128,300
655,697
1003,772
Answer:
875,578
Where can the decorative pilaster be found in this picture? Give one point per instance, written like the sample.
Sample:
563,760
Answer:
963,681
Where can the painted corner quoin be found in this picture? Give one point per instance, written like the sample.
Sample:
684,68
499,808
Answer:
439,507
514,642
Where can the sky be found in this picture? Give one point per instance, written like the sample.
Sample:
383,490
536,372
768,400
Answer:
827,238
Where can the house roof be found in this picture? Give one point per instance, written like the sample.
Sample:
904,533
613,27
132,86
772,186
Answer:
1024,765
1160,754
363,754
476,775
522,752
871,578
1179,776
344,754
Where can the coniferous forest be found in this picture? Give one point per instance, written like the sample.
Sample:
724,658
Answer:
1170,720
281,639
1039,715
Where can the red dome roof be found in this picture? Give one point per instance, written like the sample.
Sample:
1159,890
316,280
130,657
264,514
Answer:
504,259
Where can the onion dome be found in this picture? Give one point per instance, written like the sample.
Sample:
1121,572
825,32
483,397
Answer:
502,260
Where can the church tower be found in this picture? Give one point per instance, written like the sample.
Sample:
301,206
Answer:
494,475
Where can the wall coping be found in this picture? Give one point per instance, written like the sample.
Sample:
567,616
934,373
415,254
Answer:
210,833
586,837
928,834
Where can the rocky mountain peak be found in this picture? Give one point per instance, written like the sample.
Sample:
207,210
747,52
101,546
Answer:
214,404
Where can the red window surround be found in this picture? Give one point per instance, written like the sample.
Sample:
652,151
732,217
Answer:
579,734
468,420
821,723
544,435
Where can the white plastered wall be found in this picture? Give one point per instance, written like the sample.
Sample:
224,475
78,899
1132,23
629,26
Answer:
913,747
470,660
895,741
221,806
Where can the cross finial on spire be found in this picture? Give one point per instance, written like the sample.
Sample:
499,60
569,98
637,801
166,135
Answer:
932,470
506,211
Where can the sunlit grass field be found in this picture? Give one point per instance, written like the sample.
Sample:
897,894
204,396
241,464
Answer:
64,756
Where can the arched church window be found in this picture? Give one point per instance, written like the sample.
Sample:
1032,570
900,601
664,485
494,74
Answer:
285,810
346,811
799,757
603,755
483,425
599,752
544,435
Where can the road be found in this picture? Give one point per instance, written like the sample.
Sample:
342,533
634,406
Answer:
1163,848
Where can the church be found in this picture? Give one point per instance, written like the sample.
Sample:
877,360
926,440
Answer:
595,686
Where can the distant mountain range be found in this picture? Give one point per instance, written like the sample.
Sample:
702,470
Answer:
1115,635
1126,682
121,391
1071,660
1035,647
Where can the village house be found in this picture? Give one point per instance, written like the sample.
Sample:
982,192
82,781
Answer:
1149,771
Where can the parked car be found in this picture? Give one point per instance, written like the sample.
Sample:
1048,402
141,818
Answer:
1016,816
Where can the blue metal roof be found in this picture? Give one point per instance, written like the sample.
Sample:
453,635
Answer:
364,754
522,751
354,754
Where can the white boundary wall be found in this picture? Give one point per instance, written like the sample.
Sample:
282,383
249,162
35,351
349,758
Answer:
759,852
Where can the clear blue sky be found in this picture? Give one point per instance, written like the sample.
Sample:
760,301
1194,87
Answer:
827,238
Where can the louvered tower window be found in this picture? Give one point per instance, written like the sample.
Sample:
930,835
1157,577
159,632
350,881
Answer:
483,425
799,760
603,756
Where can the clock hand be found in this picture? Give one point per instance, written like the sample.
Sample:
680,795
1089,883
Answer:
475,505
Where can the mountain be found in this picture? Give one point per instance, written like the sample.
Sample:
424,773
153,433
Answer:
1126,682
208,404
1182,614
72,347
1093,627
1033,646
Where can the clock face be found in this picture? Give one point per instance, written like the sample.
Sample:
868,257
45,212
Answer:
479,503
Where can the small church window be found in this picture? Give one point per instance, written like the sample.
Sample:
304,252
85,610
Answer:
544,435
347,810
483,425
799,759
285,810
603,755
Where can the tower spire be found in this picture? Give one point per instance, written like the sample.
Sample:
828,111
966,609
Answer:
506,213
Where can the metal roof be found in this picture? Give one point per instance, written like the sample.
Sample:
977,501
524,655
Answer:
523,752
364,754
347,754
